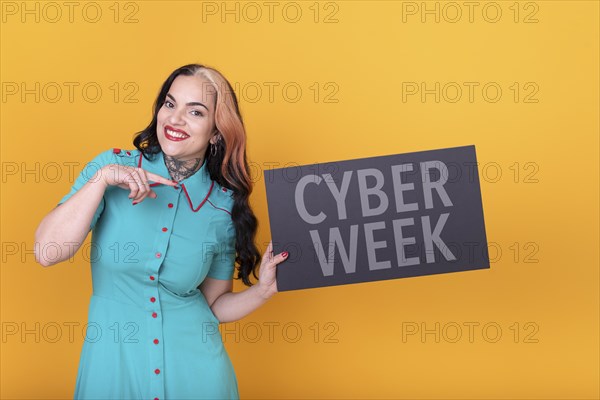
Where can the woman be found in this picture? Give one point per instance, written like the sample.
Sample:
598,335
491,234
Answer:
164,248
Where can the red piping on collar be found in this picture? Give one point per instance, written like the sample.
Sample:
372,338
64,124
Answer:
212,184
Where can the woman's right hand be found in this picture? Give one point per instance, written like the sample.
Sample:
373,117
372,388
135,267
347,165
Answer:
69,223
133,179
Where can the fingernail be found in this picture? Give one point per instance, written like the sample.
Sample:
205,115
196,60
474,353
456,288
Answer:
284,254
134,203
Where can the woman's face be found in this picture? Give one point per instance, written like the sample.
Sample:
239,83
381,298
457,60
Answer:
186,120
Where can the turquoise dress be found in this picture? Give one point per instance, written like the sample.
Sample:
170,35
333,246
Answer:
150,332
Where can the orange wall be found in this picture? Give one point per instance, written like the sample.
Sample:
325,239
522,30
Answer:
534,314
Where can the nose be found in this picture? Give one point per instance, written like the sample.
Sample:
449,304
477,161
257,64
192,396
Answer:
175,117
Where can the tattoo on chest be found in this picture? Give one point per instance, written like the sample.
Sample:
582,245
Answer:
180,170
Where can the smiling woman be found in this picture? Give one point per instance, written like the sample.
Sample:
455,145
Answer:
190,227
181,119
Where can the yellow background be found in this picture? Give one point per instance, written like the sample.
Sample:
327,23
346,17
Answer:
544,211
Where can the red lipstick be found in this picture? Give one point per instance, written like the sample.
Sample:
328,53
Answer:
181,135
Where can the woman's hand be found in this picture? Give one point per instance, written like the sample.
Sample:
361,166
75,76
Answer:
132,178
266,275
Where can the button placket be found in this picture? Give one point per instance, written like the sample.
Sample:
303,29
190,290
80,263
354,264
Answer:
152,298
156,366
155,332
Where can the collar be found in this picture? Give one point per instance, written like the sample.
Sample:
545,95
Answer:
196,187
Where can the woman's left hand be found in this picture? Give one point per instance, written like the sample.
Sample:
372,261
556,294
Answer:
266,275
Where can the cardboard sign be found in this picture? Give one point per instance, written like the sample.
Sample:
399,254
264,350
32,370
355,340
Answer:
377,218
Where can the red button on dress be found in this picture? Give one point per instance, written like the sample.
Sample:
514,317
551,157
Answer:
154,315
164,229
151,277
152,299
128,153
155,341
158,255
116,150
157,371
156,398
170,205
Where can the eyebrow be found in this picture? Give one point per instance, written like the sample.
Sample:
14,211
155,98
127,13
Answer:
193,103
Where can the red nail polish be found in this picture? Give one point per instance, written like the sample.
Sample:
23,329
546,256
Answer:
134,203
284,254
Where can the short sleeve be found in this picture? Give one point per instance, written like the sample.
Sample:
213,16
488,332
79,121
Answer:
88,172
223,263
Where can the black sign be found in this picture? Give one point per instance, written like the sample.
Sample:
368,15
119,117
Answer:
377,218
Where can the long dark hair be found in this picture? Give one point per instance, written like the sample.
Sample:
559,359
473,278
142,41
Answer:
228,167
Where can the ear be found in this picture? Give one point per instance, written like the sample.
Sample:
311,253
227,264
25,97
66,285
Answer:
215,137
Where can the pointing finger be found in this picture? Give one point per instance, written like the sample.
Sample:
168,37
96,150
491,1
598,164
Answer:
160,179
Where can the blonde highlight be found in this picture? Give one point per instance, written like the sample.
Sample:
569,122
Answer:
230,125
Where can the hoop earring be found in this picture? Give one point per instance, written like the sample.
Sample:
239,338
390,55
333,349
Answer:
213,148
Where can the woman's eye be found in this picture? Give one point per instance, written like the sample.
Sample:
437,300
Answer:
196,113
168,104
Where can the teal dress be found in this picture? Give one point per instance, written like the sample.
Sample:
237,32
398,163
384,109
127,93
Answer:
150,332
